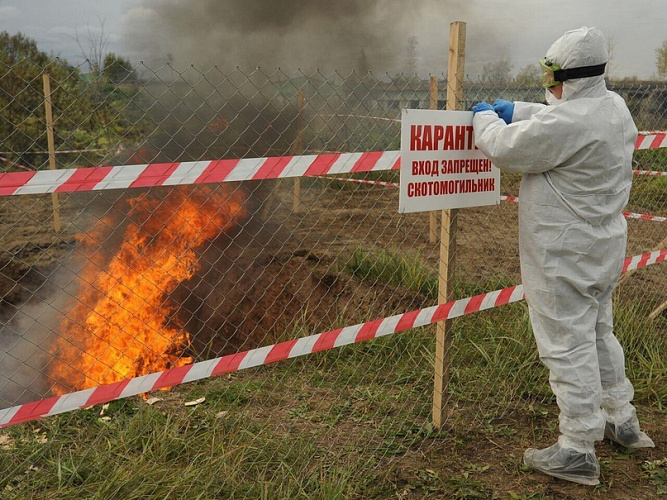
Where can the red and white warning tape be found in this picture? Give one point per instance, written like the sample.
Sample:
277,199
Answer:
628,215
654,218
193,172
56,152
513,199
281,351
367,117
649,172
12,163
643,260
362,181
197,172
651,139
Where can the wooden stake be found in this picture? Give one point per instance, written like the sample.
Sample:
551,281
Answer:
51,146
297,148
658,310
455,73
433,216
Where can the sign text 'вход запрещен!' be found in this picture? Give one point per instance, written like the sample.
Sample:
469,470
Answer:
440,166
434,168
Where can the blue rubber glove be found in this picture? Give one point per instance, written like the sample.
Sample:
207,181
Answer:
481,106
505,110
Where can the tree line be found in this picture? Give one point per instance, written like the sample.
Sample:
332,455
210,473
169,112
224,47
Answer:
89,109
500,71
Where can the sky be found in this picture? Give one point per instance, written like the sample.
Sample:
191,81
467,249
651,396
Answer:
343,34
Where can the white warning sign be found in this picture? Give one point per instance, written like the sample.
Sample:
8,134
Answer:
440,166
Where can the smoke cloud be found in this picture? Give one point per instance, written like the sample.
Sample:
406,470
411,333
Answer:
27,330
323,34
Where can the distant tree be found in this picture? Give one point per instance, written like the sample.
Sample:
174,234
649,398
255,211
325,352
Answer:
661,53
498,72
16,48
628,79
86,113
118,69
22,121
94,48
529,76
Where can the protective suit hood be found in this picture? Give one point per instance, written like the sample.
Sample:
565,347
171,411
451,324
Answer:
575,49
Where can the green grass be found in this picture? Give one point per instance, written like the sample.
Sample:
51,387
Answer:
387,267
649,194
331,425
650,159
146,453
645,344
411,272
495,333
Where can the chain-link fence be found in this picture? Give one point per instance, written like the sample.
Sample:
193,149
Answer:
106,278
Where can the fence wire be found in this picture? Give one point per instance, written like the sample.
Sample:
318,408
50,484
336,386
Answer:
153,277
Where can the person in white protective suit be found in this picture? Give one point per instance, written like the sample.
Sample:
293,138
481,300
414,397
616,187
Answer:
575,155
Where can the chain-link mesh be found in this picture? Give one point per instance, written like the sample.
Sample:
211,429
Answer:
153,277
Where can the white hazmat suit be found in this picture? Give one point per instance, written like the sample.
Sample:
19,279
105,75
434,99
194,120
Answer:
576,159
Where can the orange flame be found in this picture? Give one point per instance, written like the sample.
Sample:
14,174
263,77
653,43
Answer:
120,327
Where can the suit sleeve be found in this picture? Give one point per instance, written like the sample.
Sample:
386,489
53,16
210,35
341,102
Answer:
524,110
548,139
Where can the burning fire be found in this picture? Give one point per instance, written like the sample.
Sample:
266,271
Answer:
120,326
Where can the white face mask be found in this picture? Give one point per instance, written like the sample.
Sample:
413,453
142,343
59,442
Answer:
551,99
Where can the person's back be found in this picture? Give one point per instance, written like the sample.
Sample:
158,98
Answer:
576,159
594,182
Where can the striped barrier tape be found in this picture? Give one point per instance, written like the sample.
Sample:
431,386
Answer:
654,218
513,199
649,172
193,172
12,163
393,184
62,151
361,181
628,215
205,171
367,117
651,139
281,351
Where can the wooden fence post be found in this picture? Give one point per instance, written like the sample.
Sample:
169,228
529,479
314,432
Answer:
432,215
52,147
455,74
297,148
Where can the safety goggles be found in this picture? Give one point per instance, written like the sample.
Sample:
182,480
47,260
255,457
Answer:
554,74
548,79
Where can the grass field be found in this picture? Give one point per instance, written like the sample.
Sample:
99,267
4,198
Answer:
349,423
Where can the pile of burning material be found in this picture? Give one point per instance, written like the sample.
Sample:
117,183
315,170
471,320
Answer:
122,324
